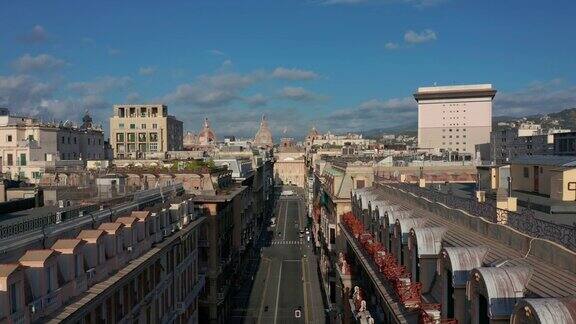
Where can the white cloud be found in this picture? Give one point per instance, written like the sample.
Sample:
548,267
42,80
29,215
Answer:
391,46
147,70
113,51
216,52
413,37
257,100
537,98
37,35
22,93
42,62
293,74
371,114
100,85
298,94
213,90
133,97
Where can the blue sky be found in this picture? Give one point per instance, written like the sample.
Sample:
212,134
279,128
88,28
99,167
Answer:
342,65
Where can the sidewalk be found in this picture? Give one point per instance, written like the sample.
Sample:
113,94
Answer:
317,302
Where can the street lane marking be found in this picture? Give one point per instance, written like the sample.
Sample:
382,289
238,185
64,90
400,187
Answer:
278,293
304,288
264,290
285,218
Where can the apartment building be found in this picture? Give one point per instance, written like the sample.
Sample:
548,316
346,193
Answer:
454,118
138,130
234,208
525,139
30,147
219,253
334,180
102,266
565,143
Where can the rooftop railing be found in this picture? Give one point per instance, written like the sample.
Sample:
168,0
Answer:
524,221
43,222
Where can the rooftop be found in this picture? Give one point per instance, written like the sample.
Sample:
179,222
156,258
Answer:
547,160
456,91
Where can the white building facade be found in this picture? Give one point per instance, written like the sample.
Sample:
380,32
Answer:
454,118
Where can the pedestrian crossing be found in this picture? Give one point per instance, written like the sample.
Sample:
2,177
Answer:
285,242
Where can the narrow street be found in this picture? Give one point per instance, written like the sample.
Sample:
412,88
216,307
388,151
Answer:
281,275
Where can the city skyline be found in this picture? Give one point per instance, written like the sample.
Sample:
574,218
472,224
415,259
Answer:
301,63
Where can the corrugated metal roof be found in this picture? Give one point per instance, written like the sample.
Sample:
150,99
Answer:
545,311
390,216
404,226
333,172
504,287
428,240
548,160
463,259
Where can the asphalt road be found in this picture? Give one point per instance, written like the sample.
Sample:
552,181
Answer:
282,274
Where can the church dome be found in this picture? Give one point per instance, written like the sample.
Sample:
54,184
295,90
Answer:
264,135
206,135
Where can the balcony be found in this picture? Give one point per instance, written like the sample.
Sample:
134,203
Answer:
33,144
18,317
44,303
81,284
203,243
183,305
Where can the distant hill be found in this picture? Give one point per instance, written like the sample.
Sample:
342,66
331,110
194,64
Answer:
404,129
565,119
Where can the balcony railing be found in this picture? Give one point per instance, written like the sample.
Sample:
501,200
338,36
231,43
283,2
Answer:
183,305
523,221
18,317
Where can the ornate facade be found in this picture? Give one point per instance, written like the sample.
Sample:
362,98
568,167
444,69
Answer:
206,135
263,137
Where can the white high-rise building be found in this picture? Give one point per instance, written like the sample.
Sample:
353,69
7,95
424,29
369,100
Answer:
454,118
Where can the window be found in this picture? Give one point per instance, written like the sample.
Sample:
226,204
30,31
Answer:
526,172
76,265
132,126
153,147
153,137
14,298
9,138
332,236
121,125
131,137
49,279
120,137
63,140
23,159
121,113
68,139
141,137
75,140
360,184
143,126
154,126
36,175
